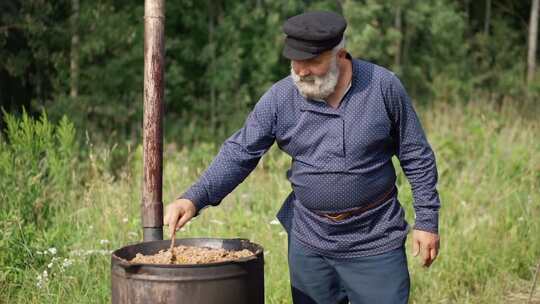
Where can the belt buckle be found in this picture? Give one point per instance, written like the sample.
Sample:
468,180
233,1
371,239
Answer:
338,217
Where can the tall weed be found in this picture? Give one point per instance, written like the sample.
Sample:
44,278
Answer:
37,162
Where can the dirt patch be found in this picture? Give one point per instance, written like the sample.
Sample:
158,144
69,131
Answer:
191,255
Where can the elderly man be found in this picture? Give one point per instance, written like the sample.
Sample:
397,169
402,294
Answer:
341,120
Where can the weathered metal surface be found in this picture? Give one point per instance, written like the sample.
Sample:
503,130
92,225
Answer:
153,233
240,281
154,61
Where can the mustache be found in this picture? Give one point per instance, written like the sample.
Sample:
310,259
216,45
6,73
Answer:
310,78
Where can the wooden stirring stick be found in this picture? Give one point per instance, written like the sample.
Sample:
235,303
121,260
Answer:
173,258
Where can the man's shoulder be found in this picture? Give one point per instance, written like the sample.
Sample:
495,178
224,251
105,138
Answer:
284,86
375,71
280,93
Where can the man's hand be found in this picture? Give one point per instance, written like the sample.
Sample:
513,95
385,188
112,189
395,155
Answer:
427,244
178,213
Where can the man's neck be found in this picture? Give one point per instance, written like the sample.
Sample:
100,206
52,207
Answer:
345,76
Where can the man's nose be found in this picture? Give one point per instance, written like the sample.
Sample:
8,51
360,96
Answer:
302,70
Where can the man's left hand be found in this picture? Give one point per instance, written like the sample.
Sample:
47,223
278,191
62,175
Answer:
427,244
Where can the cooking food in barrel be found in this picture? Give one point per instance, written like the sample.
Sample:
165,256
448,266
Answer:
191,255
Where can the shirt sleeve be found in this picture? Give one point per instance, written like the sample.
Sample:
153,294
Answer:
415,156
237,157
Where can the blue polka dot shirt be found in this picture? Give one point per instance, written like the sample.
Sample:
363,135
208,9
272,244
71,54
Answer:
341,160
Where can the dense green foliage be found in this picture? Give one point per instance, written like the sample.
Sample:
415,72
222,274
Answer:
489,179
70,166
222,55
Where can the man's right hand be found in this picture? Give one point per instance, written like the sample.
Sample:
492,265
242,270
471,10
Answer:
178,213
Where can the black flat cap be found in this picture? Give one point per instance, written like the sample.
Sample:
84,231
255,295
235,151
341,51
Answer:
312,33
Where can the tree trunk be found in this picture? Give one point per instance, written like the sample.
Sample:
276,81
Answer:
468,10
406,30
339,4
487,20
468,30
213,120
74,64
399,27
533,37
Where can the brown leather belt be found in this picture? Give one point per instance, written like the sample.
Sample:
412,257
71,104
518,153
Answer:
339,216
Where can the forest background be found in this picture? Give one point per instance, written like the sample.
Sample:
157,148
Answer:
71,79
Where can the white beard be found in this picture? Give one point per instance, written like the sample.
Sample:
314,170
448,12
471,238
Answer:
317,87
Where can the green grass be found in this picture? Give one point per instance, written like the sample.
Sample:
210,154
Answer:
489,180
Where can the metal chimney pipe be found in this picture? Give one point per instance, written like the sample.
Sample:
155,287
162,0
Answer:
154,81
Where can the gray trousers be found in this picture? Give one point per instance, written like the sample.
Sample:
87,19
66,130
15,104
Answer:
317,279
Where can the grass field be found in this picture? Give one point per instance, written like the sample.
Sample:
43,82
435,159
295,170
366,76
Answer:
489,182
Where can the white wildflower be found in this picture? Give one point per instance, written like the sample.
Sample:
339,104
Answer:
52,250
50,265
104,242
282,233
274,222
42,279
67,263
125,220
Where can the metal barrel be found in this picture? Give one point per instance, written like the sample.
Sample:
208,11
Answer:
240,281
